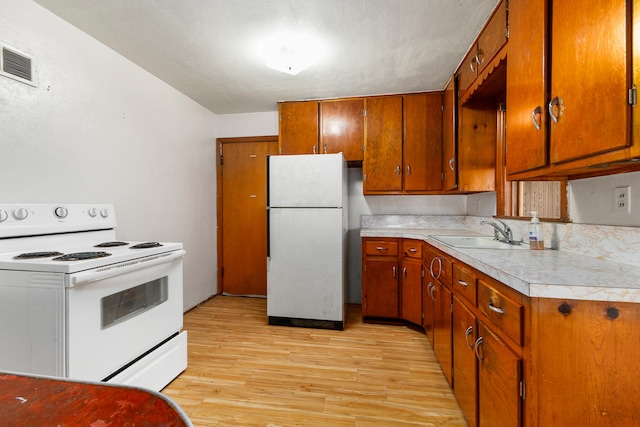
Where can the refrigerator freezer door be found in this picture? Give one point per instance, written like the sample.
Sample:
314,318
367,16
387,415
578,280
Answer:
307,180
306,271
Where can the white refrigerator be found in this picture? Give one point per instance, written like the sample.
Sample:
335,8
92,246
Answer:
307,237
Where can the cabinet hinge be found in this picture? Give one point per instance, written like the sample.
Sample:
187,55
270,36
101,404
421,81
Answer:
442,177
280,117
364,177
523,389
422,273
442,108
633,96
221,158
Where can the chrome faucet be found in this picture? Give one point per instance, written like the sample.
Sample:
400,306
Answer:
497,231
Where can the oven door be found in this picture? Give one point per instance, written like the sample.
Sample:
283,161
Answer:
116,314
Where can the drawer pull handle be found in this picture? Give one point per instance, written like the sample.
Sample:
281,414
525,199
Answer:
412,250
432,289
394,271
404,272
476,347
382,249
494,308
559,103
463,283
468,332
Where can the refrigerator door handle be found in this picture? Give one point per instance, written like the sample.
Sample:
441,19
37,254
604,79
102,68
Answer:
268,233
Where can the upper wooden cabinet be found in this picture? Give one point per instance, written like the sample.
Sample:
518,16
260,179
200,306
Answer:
382,167
403,144
342,128
298,127
449,133
322,127
584,67
490,41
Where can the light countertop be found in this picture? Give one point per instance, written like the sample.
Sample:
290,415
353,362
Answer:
543,273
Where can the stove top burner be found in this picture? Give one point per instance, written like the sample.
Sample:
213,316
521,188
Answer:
32,255
79,256
111,244
146,245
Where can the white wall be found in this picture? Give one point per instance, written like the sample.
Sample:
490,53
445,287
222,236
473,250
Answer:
591,200
99,129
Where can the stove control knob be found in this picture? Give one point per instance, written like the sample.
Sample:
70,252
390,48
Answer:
61,212
104,213
93,212
20,214
3,216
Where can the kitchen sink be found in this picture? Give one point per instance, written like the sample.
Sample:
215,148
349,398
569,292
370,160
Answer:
478,242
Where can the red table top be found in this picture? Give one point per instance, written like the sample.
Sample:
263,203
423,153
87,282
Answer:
44,401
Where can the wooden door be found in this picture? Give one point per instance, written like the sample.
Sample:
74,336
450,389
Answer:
242,218
527,117
382,166
589,78
449,124
423,142
380,288
442,328
499,374
342,128
298,127
465,384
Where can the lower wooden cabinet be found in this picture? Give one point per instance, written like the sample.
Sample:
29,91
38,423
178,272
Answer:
512,360
499,381
584,363
464,360
380,278
442,327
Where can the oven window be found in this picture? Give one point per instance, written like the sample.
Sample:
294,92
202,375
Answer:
132,302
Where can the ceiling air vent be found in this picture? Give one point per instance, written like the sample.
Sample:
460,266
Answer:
16,66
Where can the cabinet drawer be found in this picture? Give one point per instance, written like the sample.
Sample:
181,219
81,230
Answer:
381,248
505,313
412,249
464,283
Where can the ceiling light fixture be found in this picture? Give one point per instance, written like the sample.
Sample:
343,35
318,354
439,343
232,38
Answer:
291,53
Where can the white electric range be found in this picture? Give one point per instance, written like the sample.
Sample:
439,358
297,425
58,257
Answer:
76,302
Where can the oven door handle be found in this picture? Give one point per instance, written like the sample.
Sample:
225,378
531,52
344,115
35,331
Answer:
81,278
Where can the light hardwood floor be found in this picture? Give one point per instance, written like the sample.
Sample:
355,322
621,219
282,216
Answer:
243,372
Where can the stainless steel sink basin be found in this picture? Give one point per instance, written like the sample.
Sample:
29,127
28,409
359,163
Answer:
478,242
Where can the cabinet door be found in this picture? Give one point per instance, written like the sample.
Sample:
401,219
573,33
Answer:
477,146
382,165
493,37
298,133
468,70
527,116
465,383
589,78
442,328
428,308
499,375
423,142
342,128
380,286
411,292
449,123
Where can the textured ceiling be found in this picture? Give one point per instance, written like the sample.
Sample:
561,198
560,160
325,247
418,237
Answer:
208,49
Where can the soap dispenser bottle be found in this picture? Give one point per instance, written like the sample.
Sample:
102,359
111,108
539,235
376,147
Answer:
536,232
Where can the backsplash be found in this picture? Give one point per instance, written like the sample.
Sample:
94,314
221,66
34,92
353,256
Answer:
616,243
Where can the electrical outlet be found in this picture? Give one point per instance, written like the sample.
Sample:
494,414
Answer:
622,201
